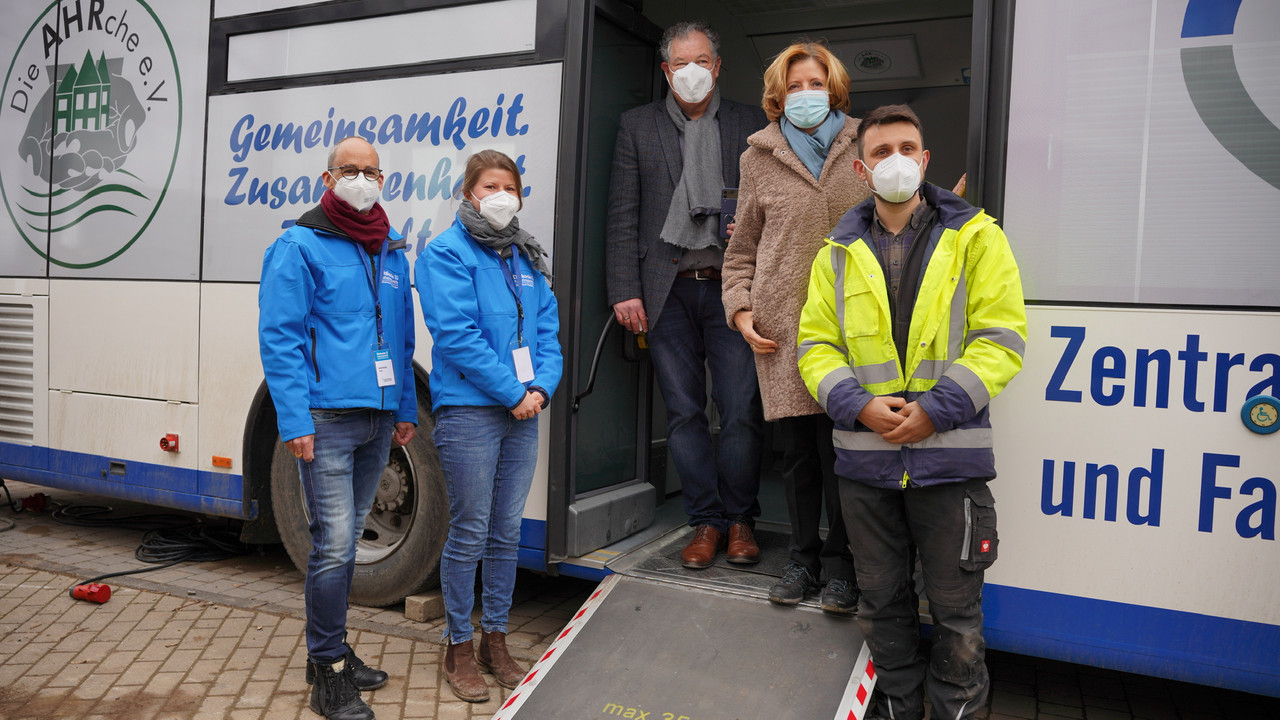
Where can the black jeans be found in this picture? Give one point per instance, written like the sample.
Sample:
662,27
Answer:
809,472
953,527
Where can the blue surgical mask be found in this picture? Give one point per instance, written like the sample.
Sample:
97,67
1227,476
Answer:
808,108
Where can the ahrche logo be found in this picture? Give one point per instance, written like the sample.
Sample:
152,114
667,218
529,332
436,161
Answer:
93,111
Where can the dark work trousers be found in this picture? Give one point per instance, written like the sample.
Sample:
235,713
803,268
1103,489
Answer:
809,472
883,525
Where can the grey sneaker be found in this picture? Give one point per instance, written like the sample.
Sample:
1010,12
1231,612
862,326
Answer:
840,597
796,582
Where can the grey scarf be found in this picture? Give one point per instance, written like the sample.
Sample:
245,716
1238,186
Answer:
499,240
697,196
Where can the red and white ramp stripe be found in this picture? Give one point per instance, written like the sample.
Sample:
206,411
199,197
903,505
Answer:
853,706
553,653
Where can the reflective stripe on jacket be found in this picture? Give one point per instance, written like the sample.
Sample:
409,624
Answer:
966,341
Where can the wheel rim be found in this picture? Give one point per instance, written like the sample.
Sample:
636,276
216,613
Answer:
390,520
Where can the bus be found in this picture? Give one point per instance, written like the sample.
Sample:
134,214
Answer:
149,152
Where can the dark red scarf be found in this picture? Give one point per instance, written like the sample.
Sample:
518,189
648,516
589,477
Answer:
368,230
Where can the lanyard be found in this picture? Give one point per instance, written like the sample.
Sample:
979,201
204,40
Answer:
513,284
373,285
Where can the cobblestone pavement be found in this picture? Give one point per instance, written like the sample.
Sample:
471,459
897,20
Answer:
224,640
213,640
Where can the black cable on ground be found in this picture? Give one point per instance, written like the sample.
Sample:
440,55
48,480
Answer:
170,539
99,516
12,505
6,523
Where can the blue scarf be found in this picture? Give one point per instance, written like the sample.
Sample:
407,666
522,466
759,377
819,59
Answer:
812,149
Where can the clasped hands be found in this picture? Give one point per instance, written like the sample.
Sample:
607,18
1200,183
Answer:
898,421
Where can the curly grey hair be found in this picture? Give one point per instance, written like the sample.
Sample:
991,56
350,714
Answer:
681,30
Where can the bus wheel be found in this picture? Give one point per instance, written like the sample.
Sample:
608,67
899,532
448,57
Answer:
399,552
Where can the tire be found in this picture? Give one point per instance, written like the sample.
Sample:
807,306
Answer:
404,533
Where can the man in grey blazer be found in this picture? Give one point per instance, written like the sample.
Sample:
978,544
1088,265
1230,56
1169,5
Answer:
663,257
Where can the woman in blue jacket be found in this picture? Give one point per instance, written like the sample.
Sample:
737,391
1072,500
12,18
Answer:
495,360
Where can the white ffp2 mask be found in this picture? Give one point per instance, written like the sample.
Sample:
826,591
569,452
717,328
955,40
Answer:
896,178
359,192
499,208
692,83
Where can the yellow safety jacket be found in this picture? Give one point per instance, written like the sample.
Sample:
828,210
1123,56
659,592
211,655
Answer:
966,341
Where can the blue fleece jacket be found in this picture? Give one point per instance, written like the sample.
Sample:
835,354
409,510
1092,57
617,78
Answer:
317,329
470,309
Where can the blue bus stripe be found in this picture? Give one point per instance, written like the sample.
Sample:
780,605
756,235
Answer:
1173,644
1206,18
200,491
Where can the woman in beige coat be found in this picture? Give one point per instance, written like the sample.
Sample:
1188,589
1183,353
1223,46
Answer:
797,181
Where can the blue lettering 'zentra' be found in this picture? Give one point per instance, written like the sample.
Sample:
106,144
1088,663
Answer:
1146,372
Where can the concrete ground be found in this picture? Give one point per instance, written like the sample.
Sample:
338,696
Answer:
224,640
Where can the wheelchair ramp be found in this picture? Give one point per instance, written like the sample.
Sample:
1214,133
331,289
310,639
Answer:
640,648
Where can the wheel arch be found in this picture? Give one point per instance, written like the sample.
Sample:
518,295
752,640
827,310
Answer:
260,436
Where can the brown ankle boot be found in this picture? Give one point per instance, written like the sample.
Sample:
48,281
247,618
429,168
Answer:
495,658
461,673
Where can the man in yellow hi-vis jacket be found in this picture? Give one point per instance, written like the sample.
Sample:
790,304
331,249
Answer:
913,322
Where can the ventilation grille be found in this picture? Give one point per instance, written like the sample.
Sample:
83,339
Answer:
17,373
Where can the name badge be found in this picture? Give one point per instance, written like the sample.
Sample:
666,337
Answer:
384,367
524,363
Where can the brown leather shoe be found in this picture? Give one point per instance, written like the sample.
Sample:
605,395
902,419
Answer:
742,545
495,659
701,550
461,673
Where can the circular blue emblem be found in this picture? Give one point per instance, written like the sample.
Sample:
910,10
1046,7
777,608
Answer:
1261,414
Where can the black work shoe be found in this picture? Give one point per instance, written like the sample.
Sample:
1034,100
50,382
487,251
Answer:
364,677
335,696
840,597
796,582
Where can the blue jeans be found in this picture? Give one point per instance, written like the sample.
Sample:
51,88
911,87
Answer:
690,336
351,448
488,458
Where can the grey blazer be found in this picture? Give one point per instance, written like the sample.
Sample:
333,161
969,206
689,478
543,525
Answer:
647,164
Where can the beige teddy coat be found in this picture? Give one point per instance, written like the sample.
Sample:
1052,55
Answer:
783,217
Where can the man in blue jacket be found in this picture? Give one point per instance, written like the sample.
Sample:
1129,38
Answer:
335,331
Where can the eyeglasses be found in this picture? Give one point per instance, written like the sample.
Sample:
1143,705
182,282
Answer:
351,171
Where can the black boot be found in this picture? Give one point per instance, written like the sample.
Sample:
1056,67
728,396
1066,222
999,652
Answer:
364,677
335,696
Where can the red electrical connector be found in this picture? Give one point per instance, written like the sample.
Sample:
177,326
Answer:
92,592
36,502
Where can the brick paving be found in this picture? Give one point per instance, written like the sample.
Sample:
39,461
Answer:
224,641
208,641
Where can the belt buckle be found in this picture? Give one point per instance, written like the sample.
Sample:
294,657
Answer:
697,275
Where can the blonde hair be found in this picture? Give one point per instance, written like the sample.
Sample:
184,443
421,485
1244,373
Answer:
491,160
774,99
